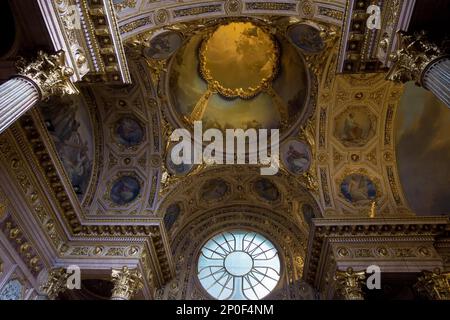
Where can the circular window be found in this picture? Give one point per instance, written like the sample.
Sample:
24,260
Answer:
239,265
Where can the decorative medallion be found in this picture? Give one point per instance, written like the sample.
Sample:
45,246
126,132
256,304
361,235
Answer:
125,190
296,156
161,16
214,190
355,126
164,45
307,8
233,6
307,38
357,188
171,215
266,189
129,132
308,213
177,169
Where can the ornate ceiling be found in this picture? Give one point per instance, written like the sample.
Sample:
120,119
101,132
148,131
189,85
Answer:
95,171
271,93
135,17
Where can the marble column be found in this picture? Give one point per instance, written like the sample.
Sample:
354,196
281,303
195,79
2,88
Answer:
127,283
434,285
349,284
37,80
424,62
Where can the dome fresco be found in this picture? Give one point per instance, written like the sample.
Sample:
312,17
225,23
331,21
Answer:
258,81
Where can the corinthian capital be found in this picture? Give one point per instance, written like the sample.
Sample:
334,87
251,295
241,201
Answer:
50,74
126,283
56,283
349,284
413,57
434,285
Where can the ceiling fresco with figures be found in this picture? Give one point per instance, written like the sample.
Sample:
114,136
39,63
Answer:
217,186
423,144
69,123
338,142
357,167
258,82
130,131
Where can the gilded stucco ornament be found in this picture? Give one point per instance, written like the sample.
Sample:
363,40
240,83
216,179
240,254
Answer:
233,7
70,19
308,178
50,74
349,284
413,57
434,285
126,283
255,51
124,4
329,37
56,283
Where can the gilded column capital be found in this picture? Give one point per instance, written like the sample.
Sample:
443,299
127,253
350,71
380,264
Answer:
434,285
126,282
349,284
414,56
56,283
49,73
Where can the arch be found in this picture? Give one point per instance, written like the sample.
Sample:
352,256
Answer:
287,237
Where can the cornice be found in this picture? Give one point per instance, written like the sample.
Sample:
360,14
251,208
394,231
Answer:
328,232
33,165
88,32
148,17
367,50
101,28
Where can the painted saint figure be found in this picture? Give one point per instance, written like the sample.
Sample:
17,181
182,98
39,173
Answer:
357,188
129,132
298,161
296,156
352,130
125,190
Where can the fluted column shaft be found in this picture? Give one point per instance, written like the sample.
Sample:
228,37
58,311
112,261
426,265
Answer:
17,96
436,78
42,78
